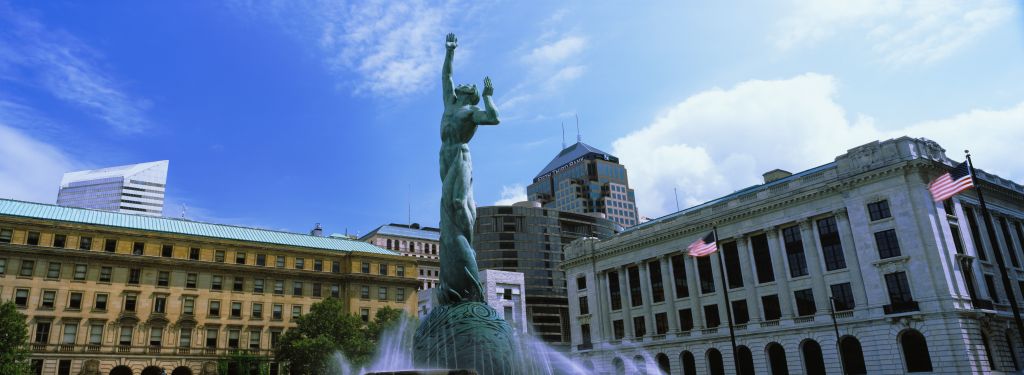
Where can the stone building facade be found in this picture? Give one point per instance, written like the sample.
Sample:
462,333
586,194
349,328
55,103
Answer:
505,292
912,282
422,243
111,293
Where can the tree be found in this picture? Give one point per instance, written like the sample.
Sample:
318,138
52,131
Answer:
385,318
325,329
13,340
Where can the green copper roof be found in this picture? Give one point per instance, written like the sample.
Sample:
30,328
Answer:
181,226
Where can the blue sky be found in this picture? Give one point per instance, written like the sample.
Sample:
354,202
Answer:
283,114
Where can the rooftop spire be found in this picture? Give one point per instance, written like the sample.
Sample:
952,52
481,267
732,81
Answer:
579,136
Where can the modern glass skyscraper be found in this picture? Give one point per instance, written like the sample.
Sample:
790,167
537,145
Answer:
584,179
135,188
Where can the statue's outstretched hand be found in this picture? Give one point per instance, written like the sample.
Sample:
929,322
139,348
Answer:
488,89
451,42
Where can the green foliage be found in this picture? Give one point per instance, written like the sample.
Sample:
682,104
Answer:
242,363
327,328
13,341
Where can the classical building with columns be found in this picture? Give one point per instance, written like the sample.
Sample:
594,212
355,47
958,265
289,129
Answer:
914,284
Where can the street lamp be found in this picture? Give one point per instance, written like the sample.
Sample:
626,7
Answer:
835,325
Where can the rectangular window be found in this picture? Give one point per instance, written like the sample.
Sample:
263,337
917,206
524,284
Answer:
80,271
96,334
60,240
163,278
193,253
233,338
236,309
1010,249
336,291
214,309
585,334
300,263
972,221
254,339
399,294
33,239
276,312
191,280
218,256
711,318
831,246
188,306
400,271
105,273
239,258
732,265
211,338
257,285
318,265
64,366
635,295
6,235
794,251
237,284
279,287
156,335
185,338
216,282
619,329
990,282
365,267
740,314
297,288
614,294
125,338
317,290
27,268
134,276
772,309
261,260
279,261
762,258
879,210
53,270
75,301
70,333
661,323
296,311
382,293
685,320
138,248
805,302
899,289
130,302
85,243
43,333
842,297
257,311
384,269
706,275
581,283
160,304
167,251
364,314
47,302
3,266
336,268
888,245
101,302
639,327
109,245
657,284
21,297
584,307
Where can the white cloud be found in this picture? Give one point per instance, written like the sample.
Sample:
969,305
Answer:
511,195
567,74
30,169
719,141
557,51
901,33
67,68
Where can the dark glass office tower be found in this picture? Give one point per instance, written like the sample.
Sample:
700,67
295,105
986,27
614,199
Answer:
584,179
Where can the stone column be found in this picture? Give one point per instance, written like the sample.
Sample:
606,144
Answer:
627,315
647,298
815,263
984,247
750,279
849,242
670,292
776,249
693,283
604,307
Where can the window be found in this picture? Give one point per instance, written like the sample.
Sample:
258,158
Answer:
80,271
336,268
214,309
211,338
336,291
6,235
679,274
130,301
275,312
365,268
191,280
613,290
70,333
236,309
831,246
101,302
384,269
770,305
105,274
740,314
585,333
888,245
635,295
280,261
43,332
167,251
21,297
842,297
156,335
27,268
317,290
237,284
33,239
75,301
297,288
794,251
47,302
163,278
60,240
109,245
1009,242
990,282
257,285
581,283
879,210
382,293
257,311
233,338
364,314
215,282
762,259
64,366
318,265
399,294
96,334
53,270
804,302
972,221
685,320
254,339
704,272
138,248
364,292
639,327
915,351
188,306
657,283
899,289
279,287
296,311
193,253
134,275
261,260
218,256
185,338
85,243
125,337
3,266
160,304
239,257
300,264
619,329
400,271
711,319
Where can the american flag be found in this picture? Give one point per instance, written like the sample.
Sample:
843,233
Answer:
704,246
949,184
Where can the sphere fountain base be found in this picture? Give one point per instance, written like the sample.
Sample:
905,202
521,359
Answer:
467,335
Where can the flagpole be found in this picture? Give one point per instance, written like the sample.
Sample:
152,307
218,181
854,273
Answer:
995,248
728,302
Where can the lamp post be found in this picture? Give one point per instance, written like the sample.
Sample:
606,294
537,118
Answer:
835,325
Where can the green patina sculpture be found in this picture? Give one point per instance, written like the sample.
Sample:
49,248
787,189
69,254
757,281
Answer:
462,331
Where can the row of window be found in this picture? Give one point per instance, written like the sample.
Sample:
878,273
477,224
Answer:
411,246
126,334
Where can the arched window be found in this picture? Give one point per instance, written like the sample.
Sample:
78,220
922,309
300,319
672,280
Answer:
745,359
915,351
988,351
689,365
121,370
640,365
814,364
777,359
152,370
853,356
389,244
715,365
181,370
1013,352
620,367
663,365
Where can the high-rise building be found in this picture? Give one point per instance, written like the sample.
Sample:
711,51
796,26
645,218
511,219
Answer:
135,189
423,243
584,179
527,238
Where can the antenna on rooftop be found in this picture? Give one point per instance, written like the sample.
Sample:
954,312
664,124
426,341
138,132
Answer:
184,209
408,198
579,137
563,135
676,192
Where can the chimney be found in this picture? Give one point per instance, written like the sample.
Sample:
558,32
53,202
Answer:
775,174
415,226
317,231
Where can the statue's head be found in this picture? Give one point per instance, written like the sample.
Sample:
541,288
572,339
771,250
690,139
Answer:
467,94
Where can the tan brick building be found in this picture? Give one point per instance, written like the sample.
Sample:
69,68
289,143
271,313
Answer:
110,293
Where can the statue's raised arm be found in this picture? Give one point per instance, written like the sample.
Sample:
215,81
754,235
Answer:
447,86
